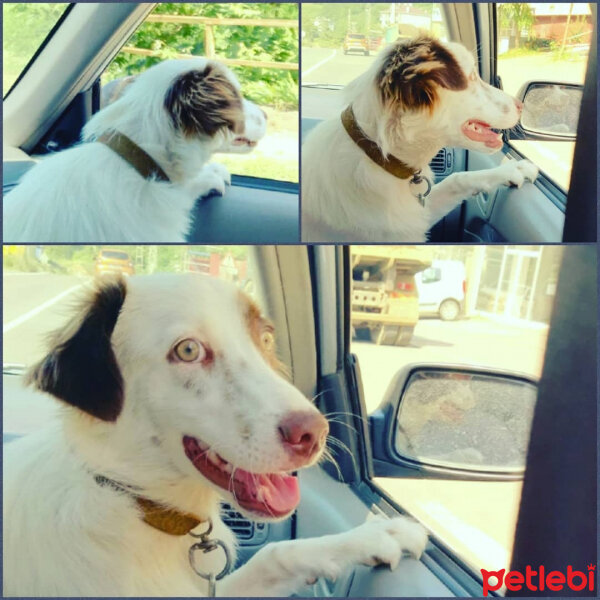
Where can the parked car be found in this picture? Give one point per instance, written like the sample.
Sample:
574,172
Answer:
356,42
442,288
110,262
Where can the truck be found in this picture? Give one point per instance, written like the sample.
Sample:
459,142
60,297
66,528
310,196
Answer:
385,300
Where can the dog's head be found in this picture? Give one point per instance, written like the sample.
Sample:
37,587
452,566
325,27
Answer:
195,98
176,377
426,89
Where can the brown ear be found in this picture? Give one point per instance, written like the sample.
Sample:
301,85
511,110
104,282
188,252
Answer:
81,369
202,102
413,71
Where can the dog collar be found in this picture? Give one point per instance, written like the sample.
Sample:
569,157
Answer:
156,515
130,152
394,166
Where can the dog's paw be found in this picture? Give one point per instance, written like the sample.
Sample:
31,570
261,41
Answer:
212,179
516,172
384,541
218,170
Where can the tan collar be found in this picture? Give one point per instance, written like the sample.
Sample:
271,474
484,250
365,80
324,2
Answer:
391,164
168,520
130,152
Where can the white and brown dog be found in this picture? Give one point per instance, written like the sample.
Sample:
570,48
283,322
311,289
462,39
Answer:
362,173
172,401
143,163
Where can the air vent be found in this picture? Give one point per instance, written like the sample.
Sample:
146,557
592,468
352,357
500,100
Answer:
442,162
243,529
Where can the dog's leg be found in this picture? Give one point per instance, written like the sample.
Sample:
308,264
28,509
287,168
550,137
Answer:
459,186
282,568
213,177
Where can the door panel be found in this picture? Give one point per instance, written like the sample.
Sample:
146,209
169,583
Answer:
530,214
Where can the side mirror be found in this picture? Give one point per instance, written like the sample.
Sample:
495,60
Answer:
447,421
550,111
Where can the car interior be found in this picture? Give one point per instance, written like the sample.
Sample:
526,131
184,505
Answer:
306,293
535,213
60,90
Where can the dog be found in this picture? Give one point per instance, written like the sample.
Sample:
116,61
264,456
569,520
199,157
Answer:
173,400
366,176
143,162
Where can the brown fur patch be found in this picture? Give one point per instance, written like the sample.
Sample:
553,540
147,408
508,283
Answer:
81,368
413,71
202,102
262,332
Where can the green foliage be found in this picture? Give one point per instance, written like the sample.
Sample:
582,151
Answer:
272,87
516,16
24,28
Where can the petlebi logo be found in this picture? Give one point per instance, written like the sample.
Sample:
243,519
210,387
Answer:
539,580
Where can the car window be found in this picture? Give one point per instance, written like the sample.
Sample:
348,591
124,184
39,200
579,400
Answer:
487,306
549,43
41,285
260,44
340,41
24,28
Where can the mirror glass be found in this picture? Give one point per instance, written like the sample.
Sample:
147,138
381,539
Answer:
552,109
465,420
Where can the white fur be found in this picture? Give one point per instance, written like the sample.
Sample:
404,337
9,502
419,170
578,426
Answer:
64,535
346,197
90,194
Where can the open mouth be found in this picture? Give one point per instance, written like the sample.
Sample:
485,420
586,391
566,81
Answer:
479,131
265,494
242,141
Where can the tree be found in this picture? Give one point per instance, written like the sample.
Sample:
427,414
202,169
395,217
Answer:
515,16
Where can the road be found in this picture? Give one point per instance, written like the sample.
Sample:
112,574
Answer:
35,304
474,341
325,65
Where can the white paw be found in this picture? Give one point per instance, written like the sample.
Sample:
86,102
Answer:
516,172
385,540
218,170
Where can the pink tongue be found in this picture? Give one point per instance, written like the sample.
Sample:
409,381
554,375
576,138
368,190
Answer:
485,134
280,493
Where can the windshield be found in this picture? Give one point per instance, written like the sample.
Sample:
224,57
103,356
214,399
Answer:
328,29
25,26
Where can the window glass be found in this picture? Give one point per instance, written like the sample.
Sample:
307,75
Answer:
24,28
340,41
247,36
41,284
490,307
549,43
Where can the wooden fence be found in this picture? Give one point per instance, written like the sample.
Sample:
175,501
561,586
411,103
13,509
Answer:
209,24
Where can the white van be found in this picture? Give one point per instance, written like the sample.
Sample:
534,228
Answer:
442,289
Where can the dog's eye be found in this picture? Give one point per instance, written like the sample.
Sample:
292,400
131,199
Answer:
189,350
267,339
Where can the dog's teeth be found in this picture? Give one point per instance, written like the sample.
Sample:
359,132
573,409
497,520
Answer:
227,467
212,456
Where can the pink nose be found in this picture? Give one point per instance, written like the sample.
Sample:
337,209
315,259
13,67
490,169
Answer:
303,433
519,105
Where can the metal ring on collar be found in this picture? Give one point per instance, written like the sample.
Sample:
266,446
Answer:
417,181
213,544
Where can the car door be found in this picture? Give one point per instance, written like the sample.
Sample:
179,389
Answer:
336,497
54,84
536,212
